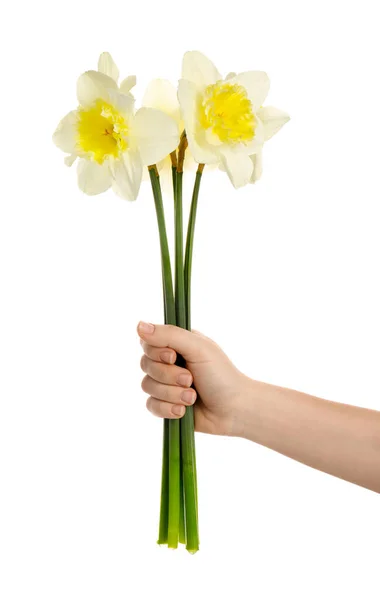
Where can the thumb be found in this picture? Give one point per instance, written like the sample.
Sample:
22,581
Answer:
190,345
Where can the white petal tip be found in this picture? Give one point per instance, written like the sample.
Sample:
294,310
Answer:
127,84
107,65
70,160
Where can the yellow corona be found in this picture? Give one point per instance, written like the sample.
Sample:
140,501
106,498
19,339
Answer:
101,132
227,110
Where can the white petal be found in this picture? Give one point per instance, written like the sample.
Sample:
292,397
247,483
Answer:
257,85
127,84
65,135
127,175
123,103
155,133
70,160
166,177
189,100
107,66
239,166
93,85
199,69
272,119
201,152
93,178
212,139
258,140
162,95
257,160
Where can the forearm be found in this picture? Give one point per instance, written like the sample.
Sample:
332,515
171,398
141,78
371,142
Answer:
335,438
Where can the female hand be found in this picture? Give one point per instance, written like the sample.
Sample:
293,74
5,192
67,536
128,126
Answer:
218,383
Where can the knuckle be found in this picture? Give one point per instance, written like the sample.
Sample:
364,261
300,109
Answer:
143,363
165,392
149,404
144,384
177,394
149,350
157,371
170,329
163,372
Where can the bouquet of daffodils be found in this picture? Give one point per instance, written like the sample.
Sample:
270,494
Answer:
218,121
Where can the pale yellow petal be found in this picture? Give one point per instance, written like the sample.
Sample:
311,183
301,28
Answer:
199,69
127,84
258,140
155,133
257,85
65,135
189,99
107,65
238,166
93,178
272,119
93,85
123,103
70,159
257,161
127,174
162,95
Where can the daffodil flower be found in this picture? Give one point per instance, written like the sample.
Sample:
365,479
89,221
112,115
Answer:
111,141
225,120
162,95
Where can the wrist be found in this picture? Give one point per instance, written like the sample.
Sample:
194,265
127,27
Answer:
247,408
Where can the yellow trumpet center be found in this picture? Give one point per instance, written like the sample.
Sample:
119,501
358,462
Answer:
227,110
101,131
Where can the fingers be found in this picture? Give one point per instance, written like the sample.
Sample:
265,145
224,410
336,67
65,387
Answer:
169,374
171,394
165,355
164,409
191,346
167,384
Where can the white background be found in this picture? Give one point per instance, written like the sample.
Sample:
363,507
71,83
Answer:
285,279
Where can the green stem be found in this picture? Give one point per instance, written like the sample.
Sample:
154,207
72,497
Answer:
188,271
176,523
169,468
190,480
164,504
180,305
190,245
174,483
187,421
182,526
174,179
165,254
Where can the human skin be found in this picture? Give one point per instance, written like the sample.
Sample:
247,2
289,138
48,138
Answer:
335,438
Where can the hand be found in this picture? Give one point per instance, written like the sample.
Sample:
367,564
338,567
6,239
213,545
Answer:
217,382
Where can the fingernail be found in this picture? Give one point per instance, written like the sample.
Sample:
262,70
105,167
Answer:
188,396
145,327
167,357
184,379
178,410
